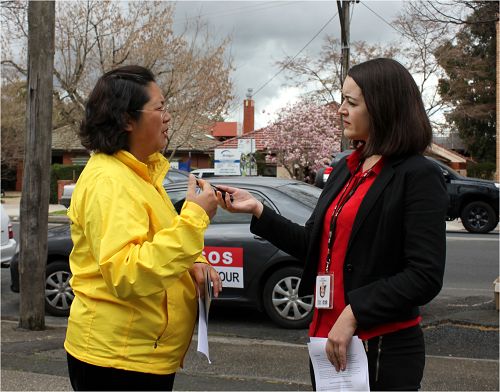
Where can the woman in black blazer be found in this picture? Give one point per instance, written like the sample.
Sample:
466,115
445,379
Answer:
377,234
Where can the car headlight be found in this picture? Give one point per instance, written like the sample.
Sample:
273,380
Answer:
497,184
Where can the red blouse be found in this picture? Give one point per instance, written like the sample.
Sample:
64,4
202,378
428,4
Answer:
324,319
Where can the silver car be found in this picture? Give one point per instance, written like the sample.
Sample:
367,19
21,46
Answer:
9,245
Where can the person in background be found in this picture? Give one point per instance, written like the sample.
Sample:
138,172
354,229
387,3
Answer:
378,230
135,261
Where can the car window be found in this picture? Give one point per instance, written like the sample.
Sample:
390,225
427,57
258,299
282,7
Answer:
305,193
222,216
175,176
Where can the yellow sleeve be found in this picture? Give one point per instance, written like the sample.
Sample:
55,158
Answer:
132,261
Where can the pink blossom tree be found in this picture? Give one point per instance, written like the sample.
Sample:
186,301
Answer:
303,138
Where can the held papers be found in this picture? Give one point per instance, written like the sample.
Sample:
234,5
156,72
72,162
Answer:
203,308
354,378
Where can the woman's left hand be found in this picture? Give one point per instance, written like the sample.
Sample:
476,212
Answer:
198,274
339,339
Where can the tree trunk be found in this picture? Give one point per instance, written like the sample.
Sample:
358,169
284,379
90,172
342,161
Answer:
35,195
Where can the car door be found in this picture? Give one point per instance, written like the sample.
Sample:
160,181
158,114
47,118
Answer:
230,247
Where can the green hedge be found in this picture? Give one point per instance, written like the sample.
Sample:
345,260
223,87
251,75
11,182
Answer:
484,170
62,172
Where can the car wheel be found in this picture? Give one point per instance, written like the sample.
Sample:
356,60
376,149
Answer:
281,300
58,293
479,217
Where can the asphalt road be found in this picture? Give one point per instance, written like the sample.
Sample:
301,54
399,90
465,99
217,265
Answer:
471,264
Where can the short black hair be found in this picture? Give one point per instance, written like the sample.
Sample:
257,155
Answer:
115,99
399,123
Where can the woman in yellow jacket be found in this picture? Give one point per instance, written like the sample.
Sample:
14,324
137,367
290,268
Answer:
135,261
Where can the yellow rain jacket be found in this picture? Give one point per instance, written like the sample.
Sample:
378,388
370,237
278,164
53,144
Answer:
135,302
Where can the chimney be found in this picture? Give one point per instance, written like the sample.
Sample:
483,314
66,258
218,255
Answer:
248,113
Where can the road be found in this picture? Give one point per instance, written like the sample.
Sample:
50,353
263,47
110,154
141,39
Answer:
250,353
471,264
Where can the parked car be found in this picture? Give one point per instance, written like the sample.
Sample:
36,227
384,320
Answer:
8,243
323,173
173,175
204,173
254,272
473,200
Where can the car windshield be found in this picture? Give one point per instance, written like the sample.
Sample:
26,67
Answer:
305,193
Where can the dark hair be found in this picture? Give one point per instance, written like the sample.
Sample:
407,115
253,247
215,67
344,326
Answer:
399,123
115,99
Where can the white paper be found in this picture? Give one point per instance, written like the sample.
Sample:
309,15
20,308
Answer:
203,309
354,378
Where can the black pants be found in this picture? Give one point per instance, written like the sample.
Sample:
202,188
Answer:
395,361
87,377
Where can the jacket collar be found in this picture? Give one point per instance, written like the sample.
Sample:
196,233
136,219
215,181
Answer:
154,171
378,186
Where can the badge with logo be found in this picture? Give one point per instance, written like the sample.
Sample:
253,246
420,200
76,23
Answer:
324,291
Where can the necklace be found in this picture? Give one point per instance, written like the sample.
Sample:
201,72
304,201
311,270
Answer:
366,166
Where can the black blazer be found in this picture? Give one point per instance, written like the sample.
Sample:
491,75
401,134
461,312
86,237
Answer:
396,254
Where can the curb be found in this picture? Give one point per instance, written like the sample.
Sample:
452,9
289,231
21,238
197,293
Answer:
51,219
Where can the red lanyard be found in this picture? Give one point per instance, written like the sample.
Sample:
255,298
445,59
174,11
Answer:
343,199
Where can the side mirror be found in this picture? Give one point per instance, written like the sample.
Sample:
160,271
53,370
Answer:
446,175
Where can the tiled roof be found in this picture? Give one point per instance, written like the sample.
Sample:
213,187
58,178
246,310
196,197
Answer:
260,136
224,129
66,139
199,140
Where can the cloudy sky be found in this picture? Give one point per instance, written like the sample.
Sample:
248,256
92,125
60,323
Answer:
265,32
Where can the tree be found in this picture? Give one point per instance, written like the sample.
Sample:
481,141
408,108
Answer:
303,137
13,121
420,37
321,76
470,86
93,37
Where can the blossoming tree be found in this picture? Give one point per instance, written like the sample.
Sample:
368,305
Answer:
303,138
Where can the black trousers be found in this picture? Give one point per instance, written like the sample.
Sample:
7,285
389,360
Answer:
396,361
87,377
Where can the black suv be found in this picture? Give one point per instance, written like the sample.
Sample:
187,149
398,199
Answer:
473,200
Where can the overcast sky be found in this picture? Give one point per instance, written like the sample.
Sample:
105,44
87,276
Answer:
265,32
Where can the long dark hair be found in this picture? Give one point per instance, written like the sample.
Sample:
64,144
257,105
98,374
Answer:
114,101
399,123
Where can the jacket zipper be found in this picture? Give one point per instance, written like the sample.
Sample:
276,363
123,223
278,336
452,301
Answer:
379,351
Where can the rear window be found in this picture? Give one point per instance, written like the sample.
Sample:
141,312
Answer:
305,193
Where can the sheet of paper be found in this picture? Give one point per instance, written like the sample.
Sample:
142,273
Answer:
203,309
354,378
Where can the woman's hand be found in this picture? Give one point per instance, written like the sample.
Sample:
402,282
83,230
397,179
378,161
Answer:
339,339
198,274
205,199
242,201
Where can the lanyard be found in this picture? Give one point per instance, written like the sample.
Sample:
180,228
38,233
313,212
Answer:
343,199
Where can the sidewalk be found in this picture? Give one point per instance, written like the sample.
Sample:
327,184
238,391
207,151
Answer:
11,203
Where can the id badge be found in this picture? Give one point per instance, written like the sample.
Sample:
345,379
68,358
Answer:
324,291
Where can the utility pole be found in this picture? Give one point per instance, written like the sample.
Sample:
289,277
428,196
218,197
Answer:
345,22
36,177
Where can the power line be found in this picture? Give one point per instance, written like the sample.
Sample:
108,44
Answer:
293,58
247,8
381,18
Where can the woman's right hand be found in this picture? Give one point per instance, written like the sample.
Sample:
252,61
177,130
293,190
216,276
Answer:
206,199
239,200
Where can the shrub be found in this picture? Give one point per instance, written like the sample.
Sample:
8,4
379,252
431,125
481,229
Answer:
484,170
62,172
